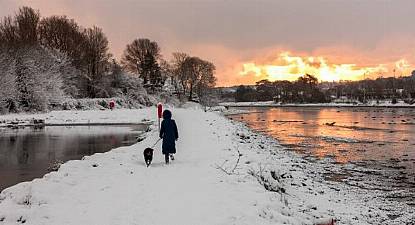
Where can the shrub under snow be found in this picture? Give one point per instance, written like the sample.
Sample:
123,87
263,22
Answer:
38,78
8,94
30,79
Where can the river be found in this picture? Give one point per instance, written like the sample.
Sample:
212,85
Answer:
27,153
374,147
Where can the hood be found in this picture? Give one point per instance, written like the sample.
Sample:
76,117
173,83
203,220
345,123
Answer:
166,114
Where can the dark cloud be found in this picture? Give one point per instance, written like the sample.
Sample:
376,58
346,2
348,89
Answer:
241,26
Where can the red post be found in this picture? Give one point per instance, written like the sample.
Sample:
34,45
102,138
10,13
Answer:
112,104
159,112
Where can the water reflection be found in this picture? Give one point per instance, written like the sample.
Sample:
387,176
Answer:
27,153
378,142
345,134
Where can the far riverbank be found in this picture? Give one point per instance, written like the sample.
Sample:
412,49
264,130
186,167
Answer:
278,104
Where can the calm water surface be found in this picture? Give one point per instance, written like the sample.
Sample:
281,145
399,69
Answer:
26,153
379,142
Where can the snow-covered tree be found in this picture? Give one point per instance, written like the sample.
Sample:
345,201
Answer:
8,94
97,59
38,79
131,89
69,73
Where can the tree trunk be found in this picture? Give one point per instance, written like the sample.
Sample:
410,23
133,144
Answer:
191,92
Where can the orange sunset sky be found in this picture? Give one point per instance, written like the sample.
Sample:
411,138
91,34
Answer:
258,39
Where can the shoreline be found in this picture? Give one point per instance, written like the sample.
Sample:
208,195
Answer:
305,105
118,117
24,125
226,169
371,199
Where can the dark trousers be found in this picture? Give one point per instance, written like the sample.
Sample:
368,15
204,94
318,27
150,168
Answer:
166,157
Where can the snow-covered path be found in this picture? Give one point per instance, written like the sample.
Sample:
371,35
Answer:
116,187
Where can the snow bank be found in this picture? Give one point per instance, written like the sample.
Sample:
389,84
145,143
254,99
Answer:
102,104
223,174
84,117
191,105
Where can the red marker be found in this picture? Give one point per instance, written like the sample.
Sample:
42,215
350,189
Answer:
159,112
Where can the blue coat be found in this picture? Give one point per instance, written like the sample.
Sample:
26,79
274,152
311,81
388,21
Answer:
169,133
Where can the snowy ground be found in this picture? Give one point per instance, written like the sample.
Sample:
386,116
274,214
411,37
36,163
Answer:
82,117
223,174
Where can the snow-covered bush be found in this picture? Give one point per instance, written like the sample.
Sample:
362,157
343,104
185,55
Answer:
131,89
8,94
69,74
31,79
272,180
168,99
97,103
169,86
38,78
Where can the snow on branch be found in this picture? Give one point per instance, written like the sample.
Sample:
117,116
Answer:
231,170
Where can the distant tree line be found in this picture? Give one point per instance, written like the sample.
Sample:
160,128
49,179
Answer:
373,89
44,60
307,89
303,90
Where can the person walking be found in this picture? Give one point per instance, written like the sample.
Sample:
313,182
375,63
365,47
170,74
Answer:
169,134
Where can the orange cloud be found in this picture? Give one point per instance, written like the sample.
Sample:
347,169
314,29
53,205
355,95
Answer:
288,67
389,57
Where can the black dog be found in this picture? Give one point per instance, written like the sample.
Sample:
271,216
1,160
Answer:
148,156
